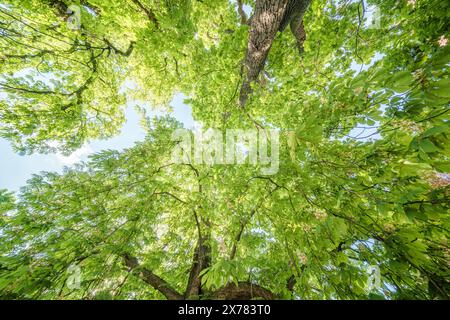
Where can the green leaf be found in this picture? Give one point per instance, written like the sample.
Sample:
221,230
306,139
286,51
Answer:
401,81
435,131
427,146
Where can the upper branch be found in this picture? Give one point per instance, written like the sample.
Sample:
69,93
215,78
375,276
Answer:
244,18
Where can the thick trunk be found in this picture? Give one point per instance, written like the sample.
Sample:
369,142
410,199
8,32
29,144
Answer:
270,17
264,26
243,291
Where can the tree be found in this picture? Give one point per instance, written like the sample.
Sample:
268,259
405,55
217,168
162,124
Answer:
138,225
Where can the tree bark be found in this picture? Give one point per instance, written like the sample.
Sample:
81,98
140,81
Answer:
152,279
270,16
201,261
243,291
264,26
296,23
244,19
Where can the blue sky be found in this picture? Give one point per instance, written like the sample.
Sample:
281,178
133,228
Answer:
15,170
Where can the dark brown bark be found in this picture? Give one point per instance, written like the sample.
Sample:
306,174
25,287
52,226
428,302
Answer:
200,261
264,25
291,283
296,23
243,291
236,241
152,279
270,16
296,9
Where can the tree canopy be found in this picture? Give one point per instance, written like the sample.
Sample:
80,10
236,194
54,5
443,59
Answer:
140,226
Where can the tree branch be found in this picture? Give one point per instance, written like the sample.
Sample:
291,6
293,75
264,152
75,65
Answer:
201,261
152,279
290,284
244,18
239,234
150,14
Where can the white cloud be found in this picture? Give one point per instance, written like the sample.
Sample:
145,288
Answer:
75,157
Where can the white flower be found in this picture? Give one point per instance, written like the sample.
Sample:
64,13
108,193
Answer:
443,41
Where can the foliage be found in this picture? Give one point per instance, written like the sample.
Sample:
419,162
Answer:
339,203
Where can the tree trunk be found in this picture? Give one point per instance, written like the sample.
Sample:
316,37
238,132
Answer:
201,261
243,291
270,17
264,26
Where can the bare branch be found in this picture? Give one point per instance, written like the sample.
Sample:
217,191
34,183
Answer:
152,279
244,18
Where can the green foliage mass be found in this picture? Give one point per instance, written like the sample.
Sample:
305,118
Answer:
339,204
